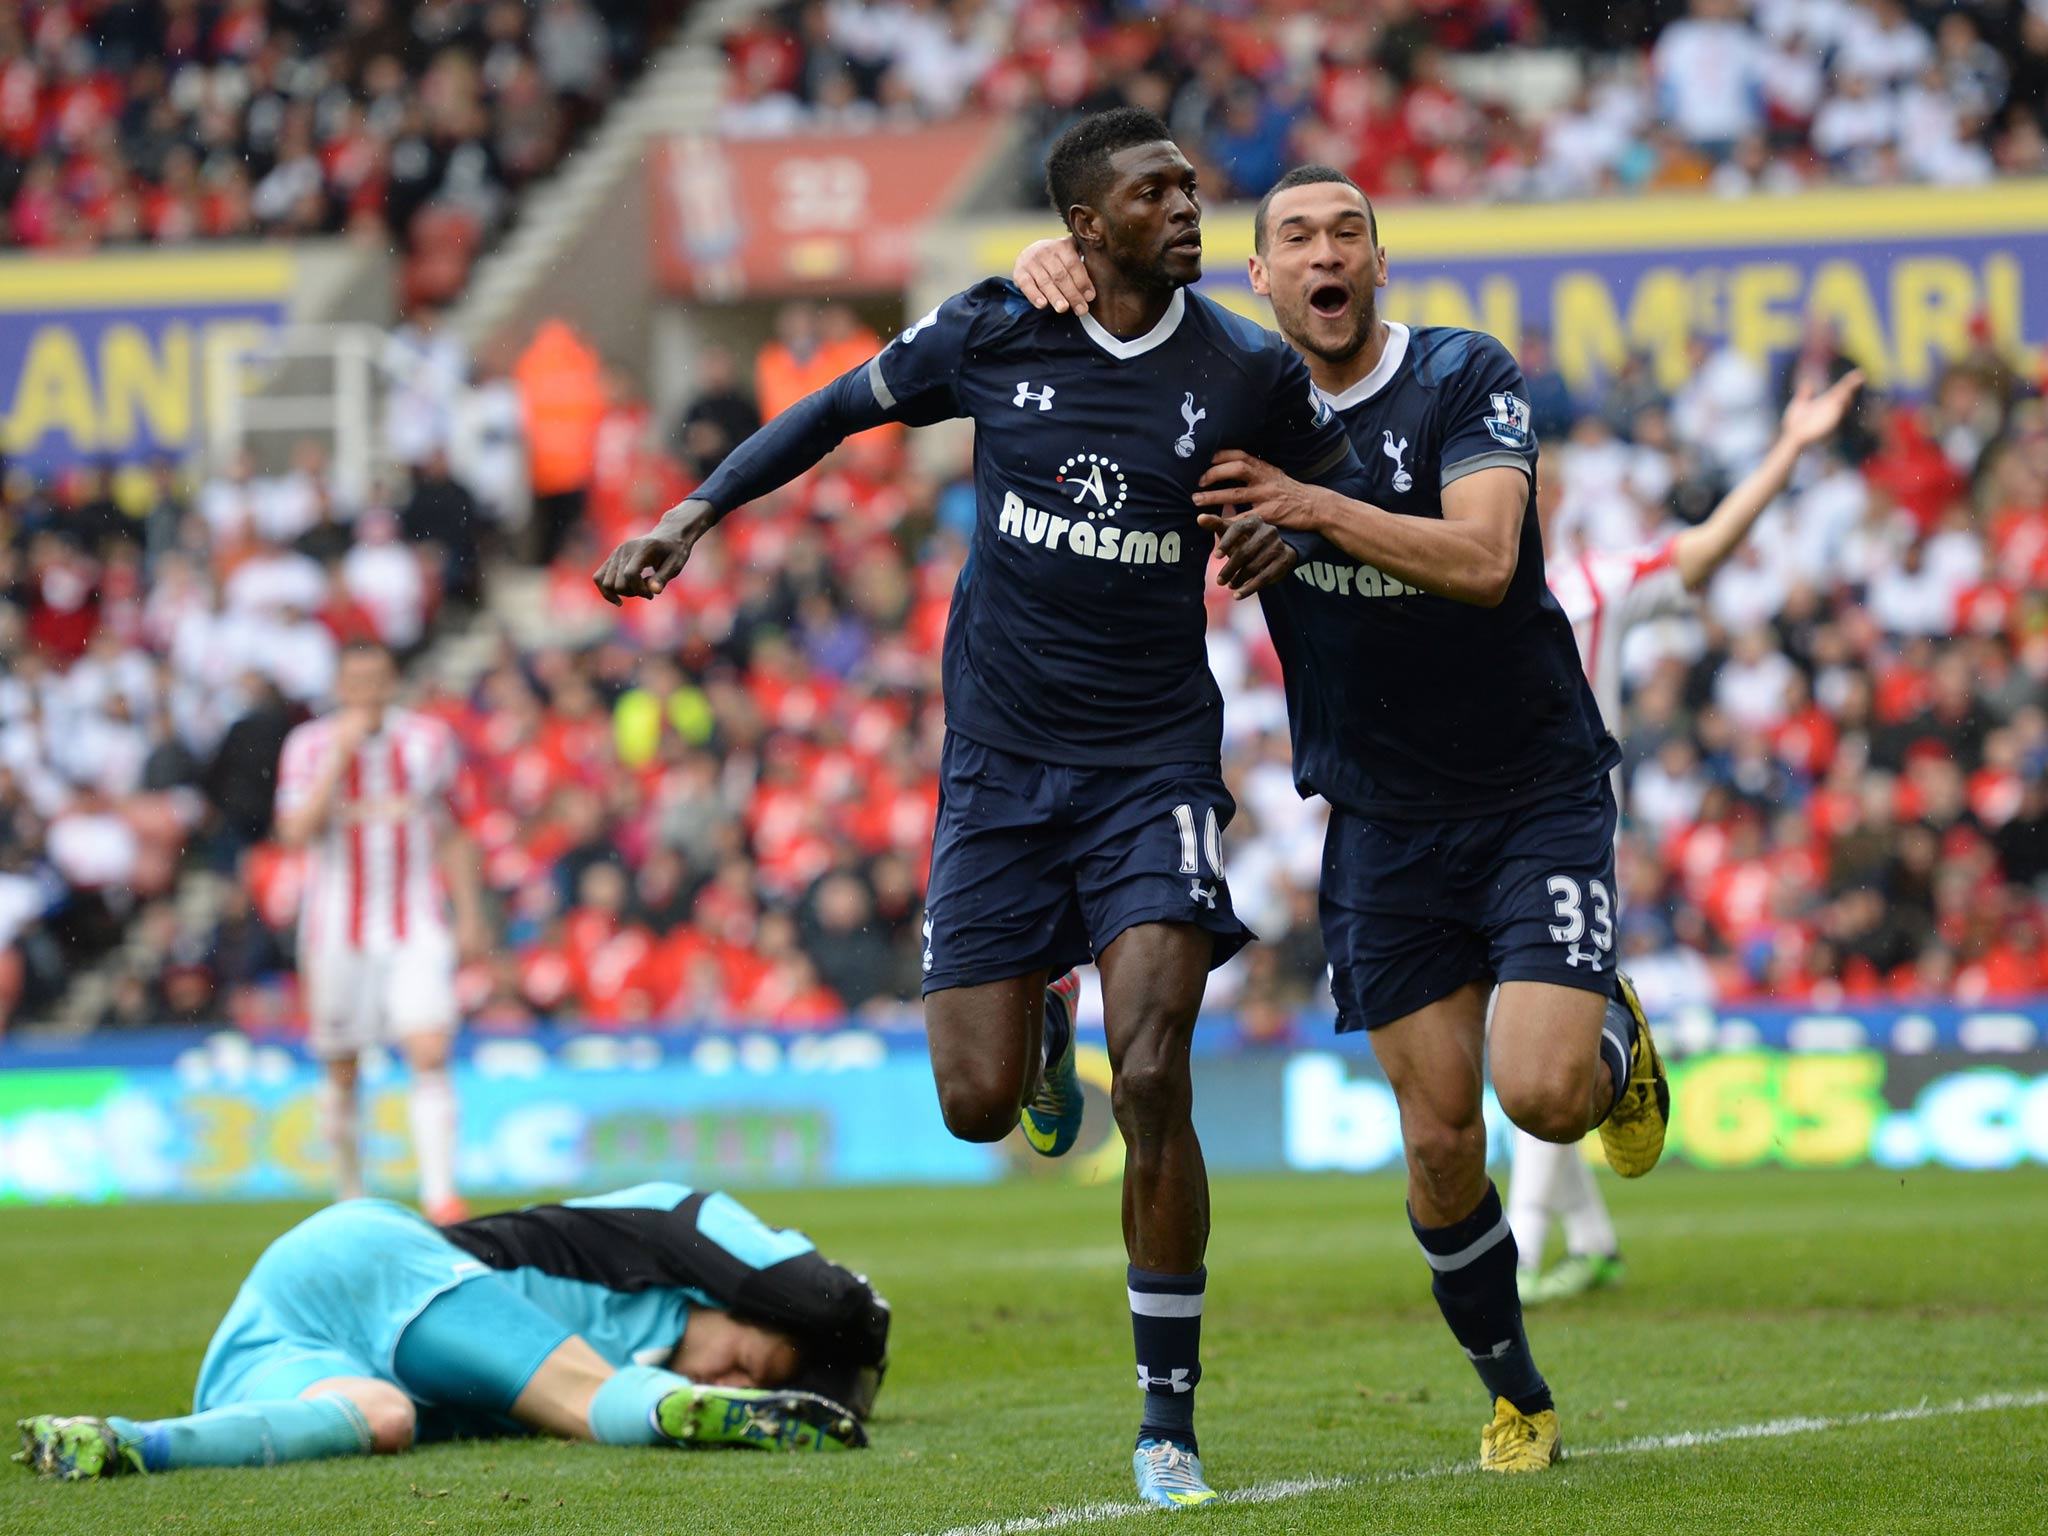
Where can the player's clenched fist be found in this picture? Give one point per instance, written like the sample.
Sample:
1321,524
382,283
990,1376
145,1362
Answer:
642,567
1235,478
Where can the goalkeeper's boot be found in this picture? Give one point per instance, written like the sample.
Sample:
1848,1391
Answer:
1633,1132
1517,1441
1170,1475
1574,1275
1052,1120
749,1419
76,1448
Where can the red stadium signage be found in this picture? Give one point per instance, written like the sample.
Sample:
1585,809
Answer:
776,218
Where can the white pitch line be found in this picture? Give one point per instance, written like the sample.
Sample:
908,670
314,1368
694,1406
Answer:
1296,1487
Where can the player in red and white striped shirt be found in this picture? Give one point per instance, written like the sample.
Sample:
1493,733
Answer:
365,792
1606,593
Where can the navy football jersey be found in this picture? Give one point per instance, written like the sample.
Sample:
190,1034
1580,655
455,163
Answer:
1408,705
1077,627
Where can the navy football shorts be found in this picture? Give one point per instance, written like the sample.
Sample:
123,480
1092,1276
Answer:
1413,910
1037,866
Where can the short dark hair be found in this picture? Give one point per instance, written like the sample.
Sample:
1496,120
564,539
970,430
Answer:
1077,167
1309,176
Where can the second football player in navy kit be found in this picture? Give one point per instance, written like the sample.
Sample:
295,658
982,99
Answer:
1082,803
1436,700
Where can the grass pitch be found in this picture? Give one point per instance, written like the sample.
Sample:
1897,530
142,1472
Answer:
1762,1310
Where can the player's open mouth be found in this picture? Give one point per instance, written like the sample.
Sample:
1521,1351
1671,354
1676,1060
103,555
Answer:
1330,300
1191,242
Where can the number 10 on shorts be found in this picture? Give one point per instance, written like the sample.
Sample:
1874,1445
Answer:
1211,844
1569,908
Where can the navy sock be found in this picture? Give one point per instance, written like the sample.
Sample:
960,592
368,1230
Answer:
1166,1325
1617,1046
1474,1262
1059,1025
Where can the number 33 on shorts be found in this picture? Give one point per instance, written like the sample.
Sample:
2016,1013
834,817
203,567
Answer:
1191,855
1572,907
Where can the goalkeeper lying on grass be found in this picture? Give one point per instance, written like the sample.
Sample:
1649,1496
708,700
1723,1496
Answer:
656,1315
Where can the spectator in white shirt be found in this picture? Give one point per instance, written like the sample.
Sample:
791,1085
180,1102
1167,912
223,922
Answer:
1666,791
1822,518
1581,148
1876,544
488,452
275,578
425,365
1723,411
106,749
1748,591
1882,44
1597,509
940,57
227,503
755,108
1931,136
383,574
570,45
1853,123
1912,598
285,506
1955,554
1816,25
92,847
1794,83
1709,72
1750,688
110,669
299,655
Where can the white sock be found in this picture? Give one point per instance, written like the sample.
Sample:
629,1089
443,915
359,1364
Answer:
1530,1199
338,1125
433,1134
1576,1199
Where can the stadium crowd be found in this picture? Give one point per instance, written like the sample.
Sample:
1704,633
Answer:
1650,95
414,121
717,807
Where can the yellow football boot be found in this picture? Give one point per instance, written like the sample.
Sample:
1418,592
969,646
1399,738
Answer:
1633,1132
1517,1441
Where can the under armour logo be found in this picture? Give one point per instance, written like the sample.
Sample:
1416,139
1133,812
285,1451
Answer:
1184,445
1176,1382
1026,394
1205,894
1576,956
1403,481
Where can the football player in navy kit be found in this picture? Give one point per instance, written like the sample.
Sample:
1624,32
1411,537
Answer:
1437,701
1082,803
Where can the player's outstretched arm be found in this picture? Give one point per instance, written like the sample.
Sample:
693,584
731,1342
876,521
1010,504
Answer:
1052,275
1810,419
1469,556
782,450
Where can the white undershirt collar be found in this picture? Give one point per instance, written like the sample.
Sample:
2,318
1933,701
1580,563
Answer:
1138,346
1382,372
